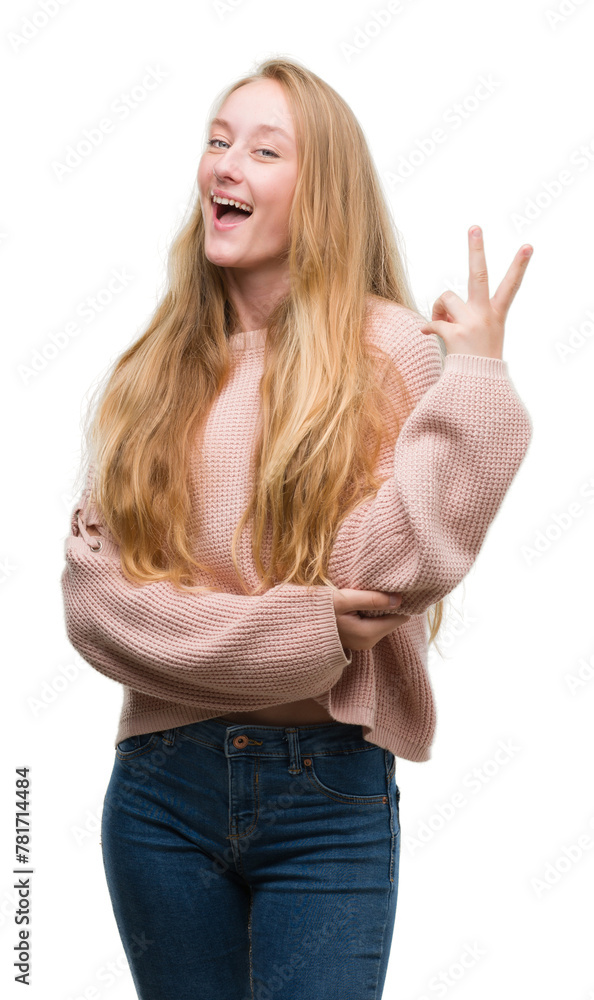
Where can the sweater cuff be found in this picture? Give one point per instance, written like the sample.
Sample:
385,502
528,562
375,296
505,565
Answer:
332,649
476,364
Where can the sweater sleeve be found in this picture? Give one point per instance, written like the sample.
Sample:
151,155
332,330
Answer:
277,647
454,460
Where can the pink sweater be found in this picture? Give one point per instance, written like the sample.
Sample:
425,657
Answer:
187,657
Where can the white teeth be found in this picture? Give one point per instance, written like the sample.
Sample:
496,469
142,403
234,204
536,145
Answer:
229,201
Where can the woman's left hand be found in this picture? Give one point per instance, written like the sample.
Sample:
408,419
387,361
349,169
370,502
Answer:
476,327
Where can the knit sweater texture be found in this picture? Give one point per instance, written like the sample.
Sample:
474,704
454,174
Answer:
184,657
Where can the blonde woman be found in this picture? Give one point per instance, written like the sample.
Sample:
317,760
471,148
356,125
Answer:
285,479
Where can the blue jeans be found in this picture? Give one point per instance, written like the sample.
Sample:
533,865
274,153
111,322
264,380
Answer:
252,862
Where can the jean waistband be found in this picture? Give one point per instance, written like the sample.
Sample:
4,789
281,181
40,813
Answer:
246,738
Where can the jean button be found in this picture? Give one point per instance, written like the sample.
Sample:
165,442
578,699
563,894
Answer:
240,741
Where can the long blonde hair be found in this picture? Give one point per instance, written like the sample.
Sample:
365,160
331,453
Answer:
325,405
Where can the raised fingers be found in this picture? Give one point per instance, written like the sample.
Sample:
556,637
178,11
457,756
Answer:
478,279
511,281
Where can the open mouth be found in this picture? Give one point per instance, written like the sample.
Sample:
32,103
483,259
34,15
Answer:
230,213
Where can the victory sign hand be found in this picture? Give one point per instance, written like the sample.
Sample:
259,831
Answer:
476,327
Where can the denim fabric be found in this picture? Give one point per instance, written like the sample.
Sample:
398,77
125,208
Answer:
252,862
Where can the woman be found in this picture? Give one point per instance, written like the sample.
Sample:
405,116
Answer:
250,830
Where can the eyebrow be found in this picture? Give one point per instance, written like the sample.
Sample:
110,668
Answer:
258,128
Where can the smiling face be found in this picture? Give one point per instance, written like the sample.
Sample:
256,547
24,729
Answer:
250,157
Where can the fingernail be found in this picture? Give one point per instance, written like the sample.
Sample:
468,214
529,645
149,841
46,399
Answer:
394,600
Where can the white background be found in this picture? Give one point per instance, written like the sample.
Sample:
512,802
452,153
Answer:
496,873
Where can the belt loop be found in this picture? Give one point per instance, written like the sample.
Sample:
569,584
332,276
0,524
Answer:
294,753
168,736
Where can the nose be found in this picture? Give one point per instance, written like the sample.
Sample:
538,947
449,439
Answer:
227,166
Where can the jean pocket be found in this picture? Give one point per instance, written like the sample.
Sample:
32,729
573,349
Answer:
135,746
355,776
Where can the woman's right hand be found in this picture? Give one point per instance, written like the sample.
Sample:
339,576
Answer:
364,633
